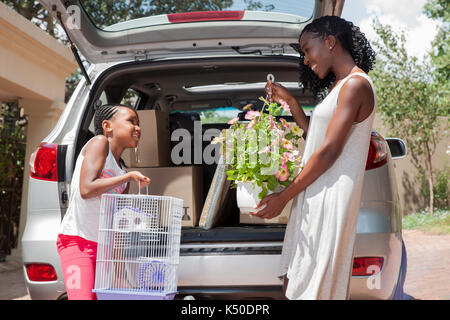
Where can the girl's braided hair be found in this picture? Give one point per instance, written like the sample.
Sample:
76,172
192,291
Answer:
105,112
351,39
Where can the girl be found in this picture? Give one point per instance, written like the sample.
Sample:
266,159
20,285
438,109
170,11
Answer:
97,171
317,254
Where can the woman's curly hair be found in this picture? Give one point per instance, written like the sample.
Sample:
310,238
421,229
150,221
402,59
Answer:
351,39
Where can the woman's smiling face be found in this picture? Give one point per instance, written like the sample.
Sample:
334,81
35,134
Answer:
317,53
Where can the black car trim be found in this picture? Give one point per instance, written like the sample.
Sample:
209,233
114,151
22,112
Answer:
241,233
221,251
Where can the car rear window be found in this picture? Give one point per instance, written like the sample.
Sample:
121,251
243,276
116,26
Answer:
107,13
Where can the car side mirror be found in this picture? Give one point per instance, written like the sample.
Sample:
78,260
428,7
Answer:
397,147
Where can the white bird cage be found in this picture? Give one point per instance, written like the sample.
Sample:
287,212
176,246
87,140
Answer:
138,247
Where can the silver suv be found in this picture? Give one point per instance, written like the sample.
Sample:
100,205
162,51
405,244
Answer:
190,64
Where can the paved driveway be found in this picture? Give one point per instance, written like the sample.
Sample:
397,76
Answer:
427,276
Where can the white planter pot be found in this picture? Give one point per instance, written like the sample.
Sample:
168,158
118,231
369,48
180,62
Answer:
247,196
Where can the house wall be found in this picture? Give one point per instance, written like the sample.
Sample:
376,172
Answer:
409,188
33,71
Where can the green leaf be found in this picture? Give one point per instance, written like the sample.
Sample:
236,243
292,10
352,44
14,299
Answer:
263,193
272,183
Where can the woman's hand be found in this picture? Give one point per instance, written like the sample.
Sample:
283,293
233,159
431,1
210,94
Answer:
139,178
276,92
271,206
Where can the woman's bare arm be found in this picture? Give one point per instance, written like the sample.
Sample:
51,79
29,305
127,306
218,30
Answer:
352,96
277,92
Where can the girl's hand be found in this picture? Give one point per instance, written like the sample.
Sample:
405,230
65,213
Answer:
276,92
140,179
272,206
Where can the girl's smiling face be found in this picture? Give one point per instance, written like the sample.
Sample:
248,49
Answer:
125,127
317,53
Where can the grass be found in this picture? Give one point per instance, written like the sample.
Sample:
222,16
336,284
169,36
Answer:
438,223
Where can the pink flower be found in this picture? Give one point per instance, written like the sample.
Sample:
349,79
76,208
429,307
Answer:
287,156
252,115
284,123
233,121
283,173
251,124
272,123
285,106
287,144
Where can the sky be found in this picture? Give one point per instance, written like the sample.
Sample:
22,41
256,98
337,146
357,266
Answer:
400,14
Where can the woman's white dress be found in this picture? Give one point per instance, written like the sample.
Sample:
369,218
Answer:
318,247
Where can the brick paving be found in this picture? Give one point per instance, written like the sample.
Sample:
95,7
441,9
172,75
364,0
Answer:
427,277
428,273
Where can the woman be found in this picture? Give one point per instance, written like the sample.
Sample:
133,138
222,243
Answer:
317,254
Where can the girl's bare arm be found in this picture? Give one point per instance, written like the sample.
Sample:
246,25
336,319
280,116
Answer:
91,185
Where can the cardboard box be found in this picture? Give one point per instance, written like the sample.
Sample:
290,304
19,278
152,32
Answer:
154,147
180,182
283,218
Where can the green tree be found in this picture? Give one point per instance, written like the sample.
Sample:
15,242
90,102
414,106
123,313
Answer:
257,5
410,99
34,11
440,54
12,157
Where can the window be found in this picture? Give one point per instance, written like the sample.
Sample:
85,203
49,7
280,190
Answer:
218,115
130,98
107,13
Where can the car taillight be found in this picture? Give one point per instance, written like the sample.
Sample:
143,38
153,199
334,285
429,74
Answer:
205,16
367,266
43,162
378,152
40,272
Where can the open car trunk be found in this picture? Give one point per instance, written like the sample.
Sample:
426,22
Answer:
187,88
148,32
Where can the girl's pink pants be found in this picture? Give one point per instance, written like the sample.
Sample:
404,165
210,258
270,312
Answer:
78,258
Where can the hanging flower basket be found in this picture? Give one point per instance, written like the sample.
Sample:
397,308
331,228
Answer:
261,154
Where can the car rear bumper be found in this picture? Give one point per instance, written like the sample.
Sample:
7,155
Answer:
40,290
383,284
231,270
39,246
248,276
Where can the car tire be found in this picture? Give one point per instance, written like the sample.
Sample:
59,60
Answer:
399,294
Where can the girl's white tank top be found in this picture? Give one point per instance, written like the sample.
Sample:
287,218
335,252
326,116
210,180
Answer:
82,216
